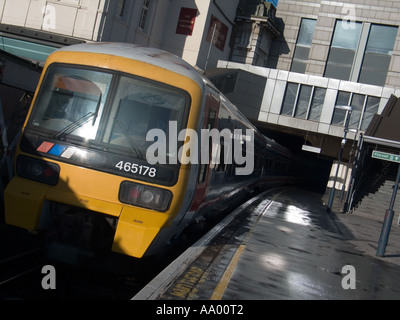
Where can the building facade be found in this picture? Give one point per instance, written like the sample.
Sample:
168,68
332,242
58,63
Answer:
348,53
330,55
197,30
255,29
353,40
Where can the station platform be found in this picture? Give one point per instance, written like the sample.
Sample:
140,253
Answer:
282,244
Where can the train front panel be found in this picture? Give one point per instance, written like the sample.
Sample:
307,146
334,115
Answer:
83,169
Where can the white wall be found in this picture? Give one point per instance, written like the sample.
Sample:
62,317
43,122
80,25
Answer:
224,12
195,48
75,18
185,46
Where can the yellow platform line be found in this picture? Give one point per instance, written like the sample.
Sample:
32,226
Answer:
226,278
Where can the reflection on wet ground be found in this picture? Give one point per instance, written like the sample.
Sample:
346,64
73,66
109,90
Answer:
285,246
299,251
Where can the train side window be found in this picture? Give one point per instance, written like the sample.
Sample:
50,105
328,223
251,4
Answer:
209,125
221,166
203,173
212,106
211,119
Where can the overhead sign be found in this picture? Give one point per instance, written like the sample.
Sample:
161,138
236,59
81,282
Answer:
386,156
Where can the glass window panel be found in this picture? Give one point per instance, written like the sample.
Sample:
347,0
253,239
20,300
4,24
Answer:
378,54
371,109
374,69
376,62
301,53
298,66
300,59
381,39
357,103
346,37
343,98
339,116
340,63
303,45
317,103
290,98
344,45
306,32
303,102
145,11
121,8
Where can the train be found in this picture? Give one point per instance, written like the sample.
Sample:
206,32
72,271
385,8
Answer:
124,147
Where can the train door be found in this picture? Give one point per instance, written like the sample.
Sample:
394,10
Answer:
210,122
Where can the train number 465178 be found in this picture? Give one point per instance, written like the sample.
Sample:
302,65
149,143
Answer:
136,169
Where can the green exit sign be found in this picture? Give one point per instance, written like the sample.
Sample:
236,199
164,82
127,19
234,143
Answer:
386,156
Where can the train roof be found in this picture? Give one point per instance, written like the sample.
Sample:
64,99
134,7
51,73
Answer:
153,56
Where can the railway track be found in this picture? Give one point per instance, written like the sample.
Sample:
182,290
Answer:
117,277
25,275
29,275
23,272
16,273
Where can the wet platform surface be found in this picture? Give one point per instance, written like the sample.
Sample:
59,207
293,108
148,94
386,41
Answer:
283,244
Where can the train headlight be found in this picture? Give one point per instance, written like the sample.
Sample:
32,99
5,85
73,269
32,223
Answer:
144,196
38,170
147,196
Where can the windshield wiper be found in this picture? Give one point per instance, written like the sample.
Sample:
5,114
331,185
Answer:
132,143
73,126
78,123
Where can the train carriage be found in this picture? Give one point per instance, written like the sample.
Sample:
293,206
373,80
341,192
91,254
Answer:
86,172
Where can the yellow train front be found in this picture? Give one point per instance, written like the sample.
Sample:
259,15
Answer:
109,154
81,169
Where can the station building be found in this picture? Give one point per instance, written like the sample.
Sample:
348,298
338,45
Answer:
328,89
319,76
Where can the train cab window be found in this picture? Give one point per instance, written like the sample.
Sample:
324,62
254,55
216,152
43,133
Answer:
140,106
71,102
110,110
